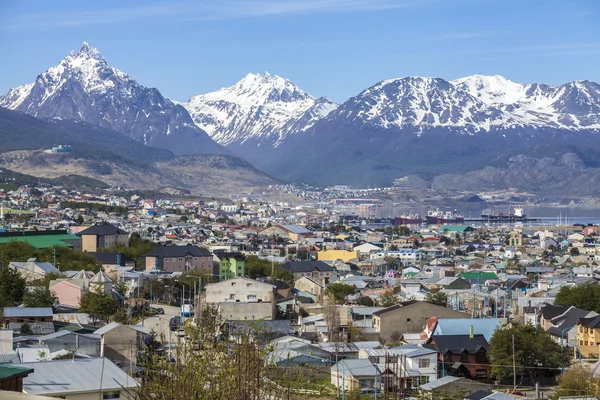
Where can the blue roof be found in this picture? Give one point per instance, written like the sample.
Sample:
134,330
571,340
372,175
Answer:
16,312
461,326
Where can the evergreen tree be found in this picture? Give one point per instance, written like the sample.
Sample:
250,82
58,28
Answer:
39,297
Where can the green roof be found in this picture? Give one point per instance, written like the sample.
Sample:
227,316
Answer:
7,372
410,273
42,241
478,275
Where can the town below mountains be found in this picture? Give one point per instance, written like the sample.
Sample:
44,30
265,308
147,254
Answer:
475,133
321,305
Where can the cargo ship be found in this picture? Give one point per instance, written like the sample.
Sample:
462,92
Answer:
514,215
439,217
410,219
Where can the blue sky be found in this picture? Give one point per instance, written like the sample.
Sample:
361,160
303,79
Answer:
333,48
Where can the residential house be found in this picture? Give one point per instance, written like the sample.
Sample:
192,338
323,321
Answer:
588,336
103,236
403,367
355,374
453,283
231,265
243,298
453,384
33,270
393,322
408,257
309,285
29,315
178,259
121,343
463,355
464,326
590,230
515,239
111,260
334,255
293,232
79,379
70,291
318,271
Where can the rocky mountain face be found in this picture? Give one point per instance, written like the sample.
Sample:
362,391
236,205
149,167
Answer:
84,87
413,126
572,106
258,111
431,126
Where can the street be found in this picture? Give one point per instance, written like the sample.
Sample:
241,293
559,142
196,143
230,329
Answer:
160,323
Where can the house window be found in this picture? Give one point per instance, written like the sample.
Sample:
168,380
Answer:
195,258
424,380
251,297
111,395
174,259
481,373
407,319
181,259
480,357
424,362
464,357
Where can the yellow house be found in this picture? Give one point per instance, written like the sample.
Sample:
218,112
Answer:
333,255
588,336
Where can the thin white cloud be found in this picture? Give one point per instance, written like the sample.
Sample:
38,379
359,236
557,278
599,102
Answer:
453,36
190,11
548,49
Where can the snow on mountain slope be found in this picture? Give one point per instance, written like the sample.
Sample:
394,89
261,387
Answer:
266,108
420,103
573,106
83,86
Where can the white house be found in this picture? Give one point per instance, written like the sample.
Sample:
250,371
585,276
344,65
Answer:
415,365
406,256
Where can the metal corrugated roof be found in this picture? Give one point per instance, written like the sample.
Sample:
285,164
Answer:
78,376
12,312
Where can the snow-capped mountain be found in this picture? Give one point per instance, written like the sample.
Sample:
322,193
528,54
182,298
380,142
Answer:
261,109
84,87
572,106
430,125
420,103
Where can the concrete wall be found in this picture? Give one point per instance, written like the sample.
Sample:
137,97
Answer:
239,290
247,311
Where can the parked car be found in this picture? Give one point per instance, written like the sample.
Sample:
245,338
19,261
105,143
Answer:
159,310
174,323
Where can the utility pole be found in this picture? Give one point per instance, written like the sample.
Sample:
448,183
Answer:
514,365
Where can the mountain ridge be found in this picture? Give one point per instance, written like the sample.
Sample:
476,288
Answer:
83,86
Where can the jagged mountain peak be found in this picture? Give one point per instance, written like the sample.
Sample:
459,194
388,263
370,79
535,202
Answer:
262,107
84,87
87,50
257,89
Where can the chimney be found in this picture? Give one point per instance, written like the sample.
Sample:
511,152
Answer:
471,331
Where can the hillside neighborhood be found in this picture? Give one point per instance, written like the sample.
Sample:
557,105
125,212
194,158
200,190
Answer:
365,309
